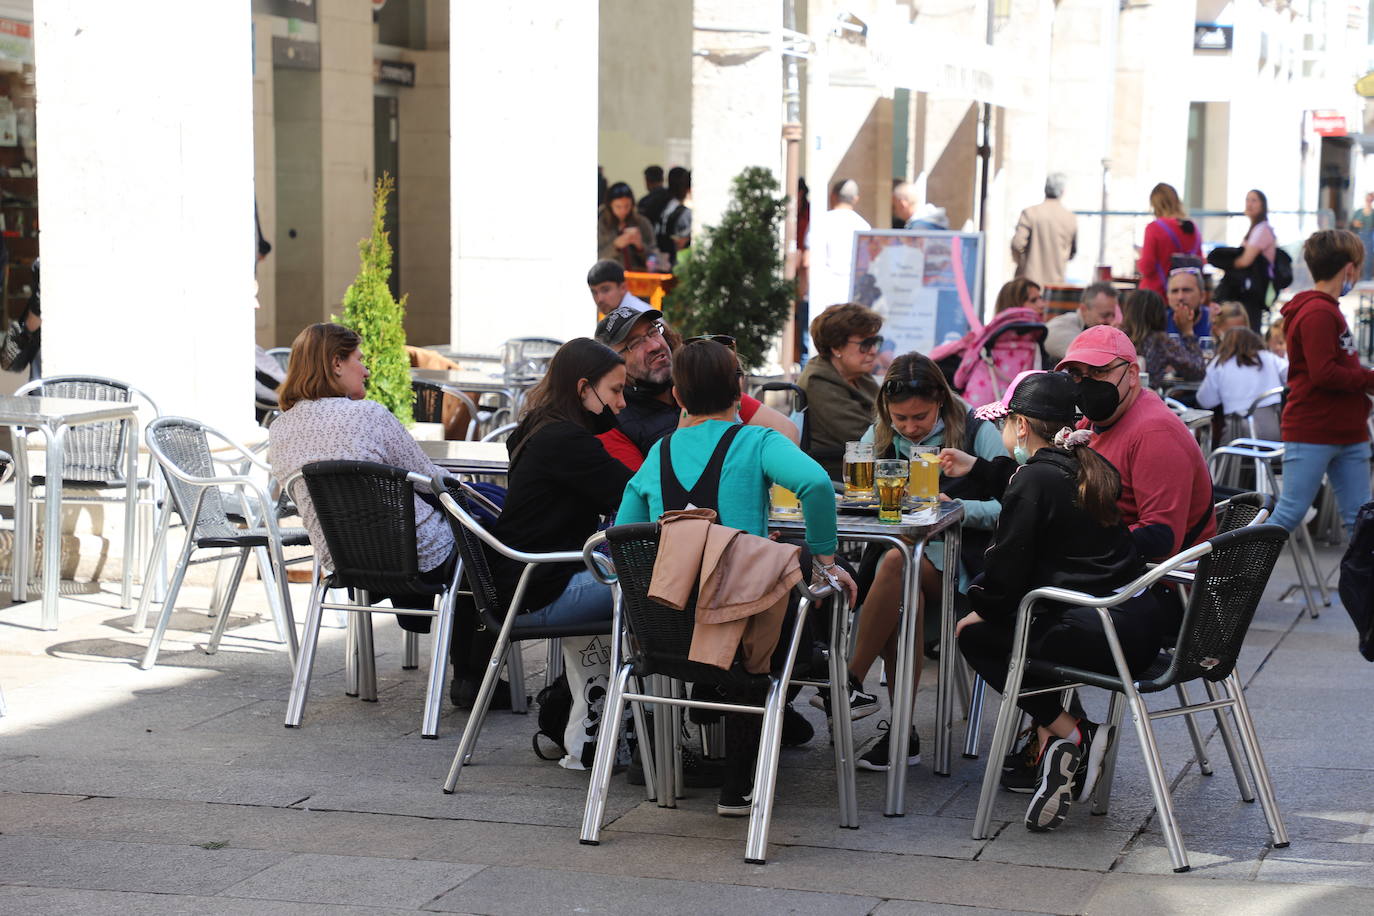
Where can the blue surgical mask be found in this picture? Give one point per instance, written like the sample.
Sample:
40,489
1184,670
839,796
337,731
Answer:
1020,454
1346,287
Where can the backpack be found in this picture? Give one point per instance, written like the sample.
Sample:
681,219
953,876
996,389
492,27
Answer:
1282,276
555,706
1357,579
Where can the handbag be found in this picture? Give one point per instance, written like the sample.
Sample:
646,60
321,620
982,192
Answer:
17,347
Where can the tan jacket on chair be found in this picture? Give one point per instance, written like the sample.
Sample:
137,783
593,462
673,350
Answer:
742,583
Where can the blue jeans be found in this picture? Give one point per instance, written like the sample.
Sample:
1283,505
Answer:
585,600
1304,464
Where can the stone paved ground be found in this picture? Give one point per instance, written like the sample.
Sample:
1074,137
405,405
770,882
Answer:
177,790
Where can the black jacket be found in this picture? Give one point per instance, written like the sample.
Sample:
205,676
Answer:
561,483
1044,538
646,418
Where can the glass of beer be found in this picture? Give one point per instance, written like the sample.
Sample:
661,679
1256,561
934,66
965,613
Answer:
858,470
925,478
890,476
784,502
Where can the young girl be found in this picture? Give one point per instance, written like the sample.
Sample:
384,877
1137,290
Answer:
1242,371
1059,526
915,407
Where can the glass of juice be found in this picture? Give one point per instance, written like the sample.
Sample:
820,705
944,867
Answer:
784,502
890,476
858,470
924,485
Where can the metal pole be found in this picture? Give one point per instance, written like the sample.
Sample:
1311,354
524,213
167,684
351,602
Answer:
791,136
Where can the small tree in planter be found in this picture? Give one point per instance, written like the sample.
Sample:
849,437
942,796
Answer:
730,280
371,310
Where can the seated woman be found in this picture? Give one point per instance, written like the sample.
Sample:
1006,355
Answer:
1059,526
1242,372
730,468
326,419
839,388
916,407
1020,293
1145,325
561,482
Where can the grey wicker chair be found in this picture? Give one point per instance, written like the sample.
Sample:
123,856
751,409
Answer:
1232,570
93,468
181,447
366,512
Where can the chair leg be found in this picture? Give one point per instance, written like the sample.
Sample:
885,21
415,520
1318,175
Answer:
351,677
663,744
765,775
438,666
1295,552
1238,767
1102,794
975,716
1203,764
305,659
410,651
600,783
269,582
1250,740
367,655
169,605
645,741
1311,552
842,736
479,709
553,661
221,582
222,618
1003,734
679,692
1159,780
164,526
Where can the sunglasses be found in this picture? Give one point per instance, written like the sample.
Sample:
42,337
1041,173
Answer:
725,340
868,343
899,388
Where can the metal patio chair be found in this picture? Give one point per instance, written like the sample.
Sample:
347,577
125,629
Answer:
429,404
1232,570
181,447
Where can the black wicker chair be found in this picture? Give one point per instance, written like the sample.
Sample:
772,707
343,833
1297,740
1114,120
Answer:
429,404
181,447
1231,574
660,638
366,512
511,629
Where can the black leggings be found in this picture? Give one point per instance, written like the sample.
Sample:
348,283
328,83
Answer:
1068,636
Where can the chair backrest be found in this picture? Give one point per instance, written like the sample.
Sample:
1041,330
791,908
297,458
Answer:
428,406
476,569
183,444
282,355
662,635
94,451
798,412
366,512
1226,590
1242,510
528,357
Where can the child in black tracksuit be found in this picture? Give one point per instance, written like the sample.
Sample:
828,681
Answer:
1059,527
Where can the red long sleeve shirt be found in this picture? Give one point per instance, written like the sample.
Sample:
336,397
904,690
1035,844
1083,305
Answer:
1327,403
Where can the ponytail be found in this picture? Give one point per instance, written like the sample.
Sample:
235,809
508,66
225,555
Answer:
1099,483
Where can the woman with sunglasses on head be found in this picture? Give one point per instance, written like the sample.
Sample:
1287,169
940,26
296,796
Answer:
1145,325
840,391
916,407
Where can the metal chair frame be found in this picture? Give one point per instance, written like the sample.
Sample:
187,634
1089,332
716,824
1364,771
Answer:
668,698
1223,693
359,650
439,390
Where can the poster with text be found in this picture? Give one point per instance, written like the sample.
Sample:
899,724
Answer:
924,282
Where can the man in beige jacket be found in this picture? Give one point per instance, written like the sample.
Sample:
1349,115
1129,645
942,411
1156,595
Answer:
1046,237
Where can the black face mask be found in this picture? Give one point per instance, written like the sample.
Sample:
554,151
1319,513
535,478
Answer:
1098,399
603,421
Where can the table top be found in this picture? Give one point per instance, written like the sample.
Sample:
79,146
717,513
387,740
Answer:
1193,418
858,526
474,379
472,457
37,411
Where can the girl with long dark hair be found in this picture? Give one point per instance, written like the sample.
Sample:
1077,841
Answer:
1145,322
1243,371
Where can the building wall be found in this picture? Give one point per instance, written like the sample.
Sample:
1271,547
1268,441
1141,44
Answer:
425,255
298,243
265,178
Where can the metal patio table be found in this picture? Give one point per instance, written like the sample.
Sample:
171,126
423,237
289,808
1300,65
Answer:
911,539
463,457
54,417
481,380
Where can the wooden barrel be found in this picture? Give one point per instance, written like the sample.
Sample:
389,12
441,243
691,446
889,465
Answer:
1060,299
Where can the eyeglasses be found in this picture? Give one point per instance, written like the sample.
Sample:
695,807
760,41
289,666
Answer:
868,343
725,340
1096,373
654,330
904,387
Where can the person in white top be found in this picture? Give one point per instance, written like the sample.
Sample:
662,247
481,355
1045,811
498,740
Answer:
1242,372
830,244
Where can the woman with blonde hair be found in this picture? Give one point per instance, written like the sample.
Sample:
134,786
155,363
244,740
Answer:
1242,372
1171,233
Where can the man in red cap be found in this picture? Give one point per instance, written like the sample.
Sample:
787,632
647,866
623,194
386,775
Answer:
1166,490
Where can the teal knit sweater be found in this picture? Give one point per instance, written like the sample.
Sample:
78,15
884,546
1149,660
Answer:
757,458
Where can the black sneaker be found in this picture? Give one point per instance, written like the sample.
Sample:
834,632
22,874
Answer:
697,772
734,804
860,704
463,693
877,757
1097,741
1021,768
1058,772
795,729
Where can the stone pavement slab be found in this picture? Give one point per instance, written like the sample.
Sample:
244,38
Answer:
356,880
47,901
107,865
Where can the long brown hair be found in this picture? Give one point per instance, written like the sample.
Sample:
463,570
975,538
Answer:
310,371
1143,316
1099,483
917,376
556,396
1013,294
1241,344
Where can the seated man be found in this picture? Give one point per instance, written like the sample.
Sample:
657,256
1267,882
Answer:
650,412
606,280
1098,306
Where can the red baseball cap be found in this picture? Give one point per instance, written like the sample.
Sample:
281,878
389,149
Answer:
1098,346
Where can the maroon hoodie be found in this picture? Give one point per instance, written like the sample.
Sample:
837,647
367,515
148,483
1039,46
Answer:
1327,403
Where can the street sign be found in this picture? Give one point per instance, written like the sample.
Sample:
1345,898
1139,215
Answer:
1329,124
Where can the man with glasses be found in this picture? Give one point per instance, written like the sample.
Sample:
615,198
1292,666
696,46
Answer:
1166,490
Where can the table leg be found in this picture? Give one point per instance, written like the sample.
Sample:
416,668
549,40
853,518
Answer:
944,692
52,526
130,510
21,560
903,690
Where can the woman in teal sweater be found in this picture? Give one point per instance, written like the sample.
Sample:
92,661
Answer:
711,461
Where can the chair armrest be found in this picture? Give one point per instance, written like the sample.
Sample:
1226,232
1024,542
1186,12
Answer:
467,521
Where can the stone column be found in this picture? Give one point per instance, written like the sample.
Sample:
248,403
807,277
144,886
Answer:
523,144
145,171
